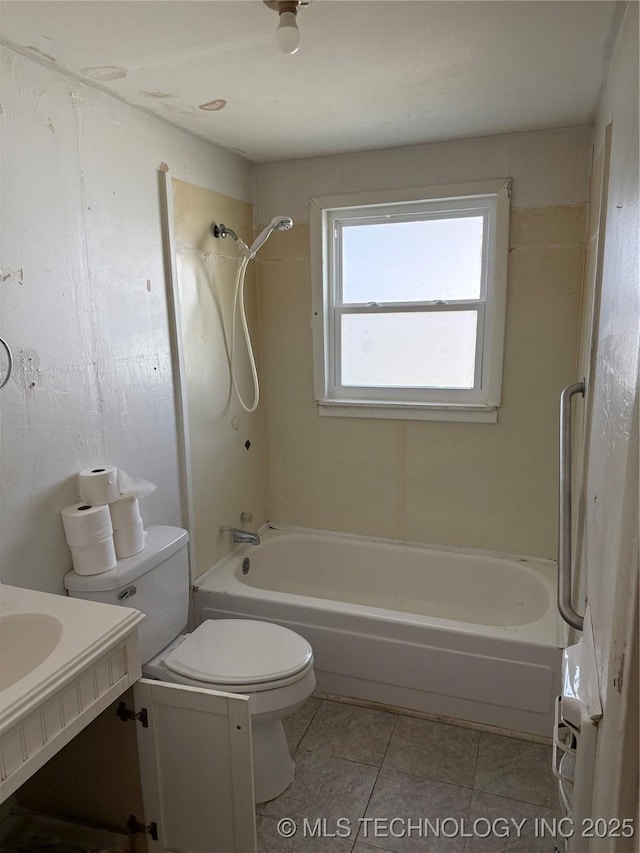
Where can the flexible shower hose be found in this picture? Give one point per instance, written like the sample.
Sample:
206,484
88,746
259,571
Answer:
239,297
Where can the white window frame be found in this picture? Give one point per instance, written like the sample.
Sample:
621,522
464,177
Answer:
491,199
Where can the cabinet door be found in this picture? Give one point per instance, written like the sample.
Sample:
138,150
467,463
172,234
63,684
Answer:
196,768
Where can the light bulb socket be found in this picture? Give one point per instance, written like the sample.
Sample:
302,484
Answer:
285,5
288,6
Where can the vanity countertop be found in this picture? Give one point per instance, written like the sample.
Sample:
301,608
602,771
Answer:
62,661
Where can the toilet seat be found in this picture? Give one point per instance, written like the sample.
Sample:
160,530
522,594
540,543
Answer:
242,655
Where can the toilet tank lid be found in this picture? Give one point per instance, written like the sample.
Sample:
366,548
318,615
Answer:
162,542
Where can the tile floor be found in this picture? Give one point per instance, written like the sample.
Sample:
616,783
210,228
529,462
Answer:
360,765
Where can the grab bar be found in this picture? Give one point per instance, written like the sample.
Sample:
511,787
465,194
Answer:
9,355
565,605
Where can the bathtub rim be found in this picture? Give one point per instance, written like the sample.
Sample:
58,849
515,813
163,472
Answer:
517,634
386,540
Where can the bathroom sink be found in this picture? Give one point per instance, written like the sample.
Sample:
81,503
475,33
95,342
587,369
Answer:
26,641
62,662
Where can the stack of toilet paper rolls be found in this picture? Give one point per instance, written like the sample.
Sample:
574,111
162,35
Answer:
128,532
89,534
106,525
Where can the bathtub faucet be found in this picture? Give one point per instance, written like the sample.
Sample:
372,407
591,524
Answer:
241,537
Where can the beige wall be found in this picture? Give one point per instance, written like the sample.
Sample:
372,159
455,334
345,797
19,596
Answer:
548,167
487,486
226,477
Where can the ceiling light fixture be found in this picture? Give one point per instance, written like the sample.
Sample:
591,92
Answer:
287,34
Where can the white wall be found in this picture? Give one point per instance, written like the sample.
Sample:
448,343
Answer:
610,535
83,304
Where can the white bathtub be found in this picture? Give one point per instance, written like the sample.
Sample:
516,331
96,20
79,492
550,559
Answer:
468,635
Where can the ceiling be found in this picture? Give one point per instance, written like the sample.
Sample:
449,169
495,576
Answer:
369,73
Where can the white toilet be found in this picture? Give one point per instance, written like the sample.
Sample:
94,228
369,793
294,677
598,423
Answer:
270,663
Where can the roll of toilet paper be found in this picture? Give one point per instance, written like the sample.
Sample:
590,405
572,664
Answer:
125,512
85,525
99,486
95,559
129,540
105,484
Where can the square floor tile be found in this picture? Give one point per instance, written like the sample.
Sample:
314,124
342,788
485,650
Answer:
517,769
401,803
500,825
271,839
297,724
348,731
433,750
325,787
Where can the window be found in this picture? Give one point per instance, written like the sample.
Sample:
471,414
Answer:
409,292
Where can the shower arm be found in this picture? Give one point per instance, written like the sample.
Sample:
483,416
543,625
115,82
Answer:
278,223
222,231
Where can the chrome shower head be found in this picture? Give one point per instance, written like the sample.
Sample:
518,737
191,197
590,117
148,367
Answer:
278,223
282,223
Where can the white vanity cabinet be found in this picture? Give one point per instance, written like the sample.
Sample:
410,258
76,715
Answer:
62,662
195,758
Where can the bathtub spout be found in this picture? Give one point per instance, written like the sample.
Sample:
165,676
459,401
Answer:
241,537
244,537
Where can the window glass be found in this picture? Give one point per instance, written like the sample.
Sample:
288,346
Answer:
432,350
415,261
409,301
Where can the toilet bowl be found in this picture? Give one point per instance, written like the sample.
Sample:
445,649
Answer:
269,663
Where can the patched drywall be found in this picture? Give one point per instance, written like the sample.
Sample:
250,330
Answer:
83,304
227,445
490,486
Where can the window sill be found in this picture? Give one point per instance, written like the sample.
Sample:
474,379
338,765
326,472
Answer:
408,411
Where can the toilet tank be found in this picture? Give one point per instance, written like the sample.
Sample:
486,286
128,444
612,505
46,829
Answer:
155,582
